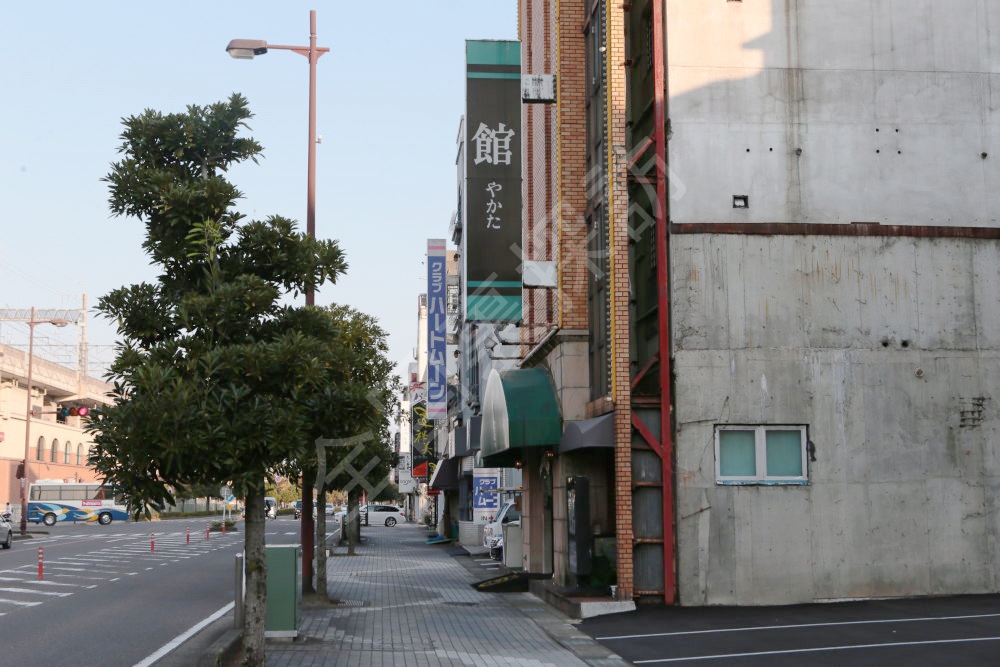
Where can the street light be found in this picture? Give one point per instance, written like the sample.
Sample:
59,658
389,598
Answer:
246,49
59,318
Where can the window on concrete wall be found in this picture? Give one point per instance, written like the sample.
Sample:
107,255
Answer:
66,452
40,449
79,454
768,454
55,451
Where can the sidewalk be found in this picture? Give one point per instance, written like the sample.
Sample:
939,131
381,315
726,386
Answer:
404,602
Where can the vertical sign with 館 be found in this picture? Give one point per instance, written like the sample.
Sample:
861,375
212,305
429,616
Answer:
437,318
492,234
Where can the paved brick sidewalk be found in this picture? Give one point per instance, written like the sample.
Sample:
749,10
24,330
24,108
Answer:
404,602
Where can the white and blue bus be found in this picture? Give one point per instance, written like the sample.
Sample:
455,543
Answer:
50,501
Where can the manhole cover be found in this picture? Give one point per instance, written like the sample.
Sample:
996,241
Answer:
352,603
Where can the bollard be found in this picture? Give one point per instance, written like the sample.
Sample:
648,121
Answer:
187,534
223,525
208,526
41,557
152,542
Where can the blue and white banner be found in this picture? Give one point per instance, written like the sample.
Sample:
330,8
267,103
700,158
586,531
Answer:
437,319
485,494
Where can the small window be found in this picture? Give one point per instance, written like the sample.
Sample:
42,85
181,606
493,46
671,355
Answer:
761,455
79,454
54,454
40,450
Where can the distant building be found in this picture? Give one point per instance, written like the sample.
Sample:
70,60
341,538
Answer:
58,446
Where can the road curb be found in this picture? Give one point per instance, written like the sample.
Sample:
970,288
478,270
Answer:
224,651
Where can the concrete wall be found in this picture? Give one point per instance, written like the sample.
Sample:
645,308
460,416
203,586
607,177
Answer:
888,349
855,110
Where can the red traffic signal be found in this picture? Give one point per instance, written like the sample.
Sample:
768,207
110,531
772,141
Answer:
74,412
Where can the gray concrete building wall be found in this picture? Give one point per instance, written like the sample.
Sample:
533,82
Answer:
855,110
888,350
884,345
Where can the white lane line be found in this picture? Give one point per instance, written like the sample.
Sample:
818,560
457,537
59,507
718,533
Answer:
756,628
31,591
820,649
35,582
183,637
21,603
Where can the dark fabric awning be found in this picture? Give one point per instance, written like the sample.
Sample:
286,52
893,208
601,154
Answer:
445,477
588,433
520,410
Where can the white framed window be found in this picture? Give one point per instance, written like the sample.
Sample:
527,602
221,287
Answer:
764,454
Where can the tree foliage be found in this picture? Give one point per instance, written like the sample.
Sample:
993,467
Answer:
217,379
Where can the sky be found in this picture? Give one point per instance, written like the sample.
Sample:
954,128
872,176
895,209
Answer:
390,94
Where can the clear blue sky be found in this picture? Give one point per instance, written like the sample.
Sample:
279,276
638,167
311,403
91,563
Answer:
390,94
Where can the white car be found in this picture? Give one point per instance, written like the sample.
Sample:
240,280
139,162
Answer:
494,530
6,532
385,515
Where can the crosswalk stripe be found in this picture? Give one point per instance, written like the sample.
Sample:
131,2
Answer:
20,603
34,592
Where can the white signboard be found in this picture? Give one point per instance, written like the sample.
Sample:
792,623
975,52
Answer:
538,88
406,482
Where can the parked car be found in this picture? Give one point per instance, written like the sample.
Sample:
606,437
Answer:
493,530
387,515
6,531
329,509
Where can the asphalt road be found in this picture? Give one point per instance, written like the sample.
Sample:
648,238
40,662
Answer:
106,598
949,631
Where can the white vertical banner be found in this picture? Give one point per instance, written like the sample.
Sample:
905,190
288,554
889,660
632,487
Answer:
437,319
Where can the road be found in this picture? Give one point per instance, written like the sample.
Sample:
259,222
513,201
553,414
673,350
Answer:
963,630
106,596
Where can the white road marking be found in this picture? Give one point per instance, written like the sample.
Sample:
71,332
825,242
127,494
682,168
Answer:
21,603
183,637
799,626
819,649
34,592
36,582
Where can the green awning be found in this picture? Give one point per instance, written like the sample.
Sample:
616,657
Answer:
520,410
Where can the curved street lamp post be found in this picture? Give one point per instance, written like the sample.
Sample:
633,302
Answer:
246,49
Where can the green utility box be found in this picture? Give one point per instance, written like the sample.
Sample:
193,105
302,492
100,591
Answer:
284,590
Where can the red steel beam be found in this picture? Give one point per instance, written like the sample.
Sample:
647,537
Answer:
663,300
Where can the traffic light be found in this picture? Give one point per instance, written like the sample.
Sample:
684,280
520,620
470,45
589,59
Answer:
74,412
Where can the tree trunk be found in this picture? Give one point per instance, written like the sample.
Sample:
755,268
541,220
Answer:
321,538
354,518
306,529
255,564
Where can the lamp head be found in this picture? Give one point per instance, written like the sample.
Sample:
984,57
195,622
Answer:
246,49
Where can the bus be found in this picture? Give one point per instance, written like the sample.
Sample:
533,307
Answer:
50,501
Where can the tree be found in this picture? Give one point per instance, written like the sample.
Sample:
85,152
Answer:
213,373
388,494
349,415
